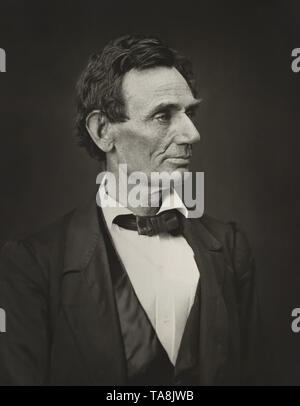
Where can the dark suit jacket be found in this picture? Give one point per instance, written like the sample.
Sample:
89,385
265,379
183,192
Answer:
61,318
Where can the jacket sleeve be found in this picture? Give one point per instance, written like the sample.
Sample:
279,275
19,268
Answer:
23,300
249,309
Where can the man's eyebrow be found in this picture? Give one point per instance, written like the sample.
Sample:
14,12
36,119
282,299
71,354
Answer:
161,107
171,106
194,104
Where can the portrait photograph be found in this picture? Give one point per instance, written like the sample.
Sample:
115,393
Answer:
149,211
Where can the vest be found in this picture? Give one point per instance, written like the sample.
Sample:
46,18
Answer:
147,361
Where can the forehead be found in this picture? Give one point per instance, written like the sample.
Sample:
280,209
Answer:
143,89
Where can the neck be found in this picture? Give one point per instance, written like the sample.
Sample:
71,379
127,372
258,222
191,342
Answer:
118,192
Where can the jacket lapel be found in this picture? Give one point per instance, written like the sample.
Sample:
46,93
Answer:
88,299
213,314
89,303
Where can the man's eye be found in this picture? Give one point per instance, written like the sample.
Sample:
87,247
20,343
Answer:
163,117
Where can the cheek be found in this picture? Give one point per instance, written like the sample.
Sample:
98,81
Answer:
142,146
140,140
133,148
164,143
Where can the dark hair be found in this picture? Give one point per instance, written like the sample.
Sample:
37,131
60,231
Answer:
100,84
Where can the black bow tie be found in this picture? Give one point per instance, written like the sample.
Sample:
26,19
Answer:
169,221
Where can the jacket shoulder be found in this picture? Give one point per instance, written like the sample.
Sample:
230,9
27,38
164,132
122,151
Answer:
37,250
234,241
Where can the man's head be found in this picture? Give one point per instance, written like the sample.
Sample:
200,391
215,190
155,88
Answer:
135,102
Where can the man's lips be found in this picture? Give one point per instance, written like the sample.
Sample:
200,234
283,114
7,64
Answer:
180,159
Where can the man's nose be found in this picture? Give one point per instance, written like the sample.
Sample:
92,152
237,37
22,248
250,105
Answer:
187,133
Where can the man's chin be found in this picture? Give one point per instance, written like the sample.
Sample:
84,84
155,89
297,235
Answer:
177,167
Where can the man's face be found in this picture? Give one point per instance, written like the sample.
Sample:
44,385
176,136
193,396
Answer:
159,133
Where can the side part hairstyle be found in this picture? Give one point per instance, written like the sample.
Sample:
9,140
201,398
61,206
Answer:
100,84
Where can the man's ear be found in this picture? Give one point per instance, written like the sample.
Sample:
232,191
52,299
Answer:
98,127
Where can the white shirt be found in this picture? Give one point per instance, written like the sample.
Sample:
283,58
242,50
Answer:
162,271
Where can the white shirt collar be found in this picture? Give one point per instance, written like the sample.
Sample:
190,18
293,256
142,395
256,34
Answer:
112,208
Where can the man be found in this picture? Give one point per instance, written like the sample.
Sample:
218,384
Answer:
122,294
